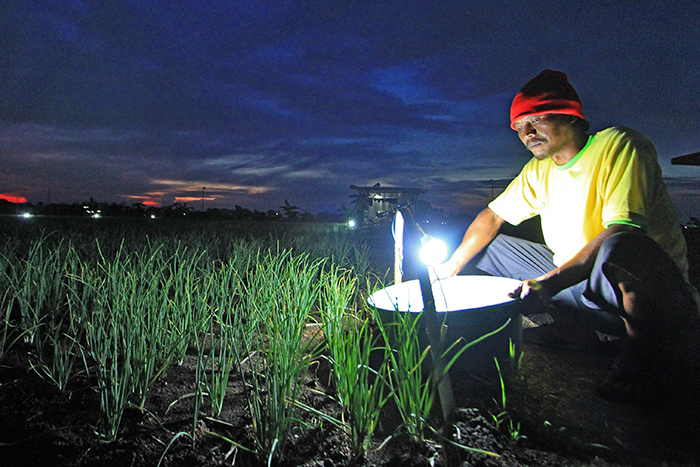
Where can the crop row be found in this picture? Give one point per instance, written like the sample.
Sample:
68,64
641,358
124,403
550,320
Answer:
125,310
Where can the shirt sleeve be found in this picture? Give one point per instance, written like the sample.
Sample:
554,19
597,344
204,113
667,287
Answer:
518,202
627,188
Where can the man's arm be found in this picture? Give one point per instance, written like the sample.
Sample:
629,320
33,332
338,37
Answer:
538,292
479,234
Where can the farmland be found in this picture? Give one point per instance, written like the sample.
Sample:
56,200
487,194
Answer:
202,343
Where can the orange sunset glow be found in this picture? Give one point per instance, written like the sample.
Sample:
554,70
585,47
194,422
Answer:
13,198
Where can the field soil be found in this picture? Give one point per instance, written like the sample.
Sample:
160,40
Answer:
561,423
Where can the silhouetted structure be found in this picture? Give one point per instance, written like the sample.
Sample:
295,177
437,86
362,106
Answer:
688,159
374,203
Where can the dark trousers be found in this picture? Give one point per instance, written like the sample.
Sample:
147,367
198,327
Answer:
623,256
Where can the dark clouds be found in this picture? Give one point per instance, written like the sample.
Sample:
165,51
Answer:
262,101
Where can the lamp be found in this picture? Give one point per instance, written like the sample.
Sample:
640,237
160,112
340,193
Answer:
432,251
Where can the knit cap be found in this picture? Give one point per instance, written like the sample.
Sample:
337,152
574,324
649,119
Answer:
548,92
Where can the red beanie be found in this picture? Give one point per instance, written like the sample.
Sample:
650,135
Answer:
548,92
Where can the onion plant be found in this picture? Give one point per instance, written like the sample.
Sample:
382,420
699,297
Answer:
187,307
218,290
360,261
133,326
146,315
131,305
108,340
279,296
104,338
40,284
223,287
6,335
412,390
60,351
361,390
36,282
199,377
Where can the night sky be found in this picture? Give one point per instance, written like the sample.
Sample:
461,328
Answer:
253,102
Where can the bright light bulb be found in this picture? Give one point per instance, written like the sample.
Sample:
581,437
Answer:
351,223
433,251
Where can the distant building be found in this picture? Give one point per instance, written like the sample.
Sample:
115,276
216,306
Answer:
375,203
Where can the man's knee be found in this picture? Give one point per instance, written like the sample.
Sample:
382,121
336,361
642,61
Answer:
625,248
639,256
624,256
644,268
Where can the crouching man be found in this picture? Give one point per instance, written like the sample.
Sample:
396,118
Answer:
614,258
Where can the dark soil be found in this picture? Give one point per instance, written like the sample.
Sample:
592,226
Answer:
552,398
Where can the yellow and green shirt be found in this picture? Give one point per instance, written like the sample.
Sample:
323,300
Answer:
614,179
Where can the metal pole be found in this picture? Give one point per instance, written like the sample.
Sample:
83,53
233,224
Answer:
398,247
436,339
435,335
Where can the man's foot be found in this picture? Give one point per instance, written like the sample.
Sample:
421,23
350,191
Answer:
633,377
630,387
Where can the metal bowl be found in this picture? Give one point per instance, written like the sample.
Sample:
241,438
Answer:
470,307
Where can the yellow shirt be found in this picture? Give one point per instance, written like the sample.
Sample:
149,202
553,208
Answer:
614,179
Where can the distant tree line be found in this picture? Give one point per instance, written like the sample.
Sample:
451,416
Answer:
92,208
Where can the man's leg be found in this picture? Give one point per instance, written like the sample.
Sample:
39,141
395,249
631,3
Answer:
521,259
516,258
635,278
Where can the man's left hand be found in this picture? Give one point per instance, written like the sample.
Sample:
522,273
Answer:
534,295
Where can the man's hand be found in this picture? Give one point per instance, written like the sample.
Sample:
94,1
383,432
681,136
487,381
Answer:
534,296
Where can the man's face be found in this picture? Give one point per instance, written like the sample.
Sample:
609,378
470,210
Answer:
545,135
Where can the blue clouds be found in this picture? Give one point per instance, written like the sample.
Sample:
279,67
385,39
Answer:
263,101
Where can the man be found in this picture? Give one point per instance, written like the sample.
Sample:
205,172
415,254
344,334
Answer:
615,257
